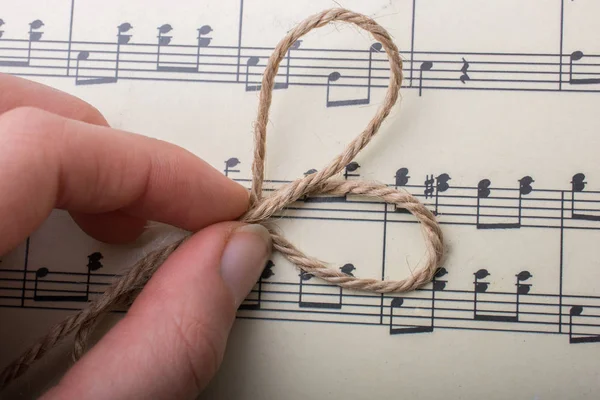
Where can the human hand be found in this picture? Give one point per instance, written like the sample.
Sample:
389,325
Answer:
59,152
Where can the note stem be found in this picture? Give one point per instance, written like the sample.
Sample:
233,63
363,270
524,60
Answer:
475,298
520,206
433,304
560,266
287,70
87,286
198,55
117,59
370,74
29,46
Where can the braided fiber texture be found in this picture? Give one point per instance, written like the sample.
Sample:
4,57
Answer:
126,288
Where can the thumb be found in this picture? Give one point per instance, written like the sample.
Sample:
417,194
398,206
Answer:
172,340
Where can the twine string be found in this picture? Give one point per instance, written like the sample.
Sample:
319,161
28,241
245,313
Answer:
125,289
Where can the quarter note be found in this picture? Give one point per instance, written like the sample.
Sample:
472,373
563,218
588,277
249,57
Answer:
231,163
577,186
577,56
203,41
252,62
266,274
465,75
425,66
574,338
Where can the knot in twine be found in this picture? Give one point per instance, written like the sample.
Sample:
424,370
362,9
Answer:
125,289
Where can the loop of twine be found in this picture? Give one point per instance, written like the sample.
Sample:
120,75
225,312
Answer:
125,289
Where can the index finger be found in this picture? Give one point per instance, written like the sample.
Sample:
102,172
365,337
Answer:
48,161
18,92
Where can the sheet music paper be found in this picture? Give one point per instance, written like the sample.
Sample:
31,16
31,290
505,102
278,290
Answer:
496,131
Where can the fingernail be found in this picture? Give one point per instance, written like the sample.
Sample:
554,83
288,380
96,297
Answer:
244,259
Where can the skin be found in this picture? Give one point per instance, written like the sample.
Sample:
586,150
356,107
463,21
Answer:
58,152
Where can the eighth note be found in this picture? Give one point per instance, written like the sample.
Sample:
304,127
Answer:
231,163
425,66
441,185
576,56
252,62
203,41
465,68
576,311
577,186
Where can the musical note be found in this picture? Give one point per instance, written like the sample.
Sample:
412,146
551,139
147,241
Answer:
428,190
203,41
42,273
401,180
441,185
94,264
163,41
1,24
577,185
304,277
348,172
285,85
576,56
401,177
483,192
481,287
522,288
231,163
335,76
266,274
34,35
525,188
465,68
348,269
576,311
397,303
425,66
252,62
350,168
122,39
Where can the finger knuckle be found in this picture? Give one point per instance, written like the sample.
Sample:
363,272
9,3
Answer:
22,122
